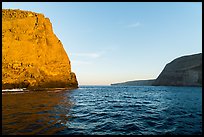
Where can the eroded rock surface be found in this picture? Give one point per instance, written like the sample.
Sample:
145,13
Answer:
32,55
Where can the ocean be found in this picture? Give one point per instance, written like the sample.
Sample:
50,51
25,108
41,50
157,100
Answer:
104,110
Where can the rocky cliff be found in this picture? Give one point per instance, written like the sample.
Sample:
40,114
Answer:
183,71
32,55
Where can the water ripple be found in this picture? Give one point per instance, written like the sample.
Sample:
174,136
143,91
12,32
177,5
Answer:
105,110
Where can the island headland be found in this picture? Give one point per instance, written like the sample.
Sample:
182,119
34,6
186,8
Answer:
32,55
135,83
182,71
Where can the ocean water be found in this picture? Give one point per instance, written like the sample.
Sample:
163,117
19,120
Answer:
104,110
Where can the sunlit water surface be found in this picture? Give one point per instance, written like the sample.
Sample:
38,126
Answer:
104,110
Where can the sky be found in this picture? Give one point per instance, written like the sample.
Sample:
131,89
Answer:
110,42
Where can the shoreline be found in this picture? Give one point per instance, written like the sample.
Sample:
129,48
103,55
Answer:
24,90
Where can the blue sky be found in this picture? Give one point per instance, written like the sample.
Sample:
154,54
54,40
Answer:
116,42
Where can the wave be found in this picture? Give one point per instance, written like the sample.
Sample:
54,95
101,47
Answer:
15,89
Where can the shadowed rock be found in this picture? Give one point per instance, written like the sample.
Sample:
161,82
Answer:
183,71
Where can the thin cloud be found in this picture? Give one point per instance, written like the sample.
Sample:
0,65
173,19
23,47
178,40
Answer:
78,63
90,55
133,25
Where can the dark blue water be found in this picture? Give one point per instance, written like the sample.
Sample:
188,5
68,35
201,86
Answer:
105,110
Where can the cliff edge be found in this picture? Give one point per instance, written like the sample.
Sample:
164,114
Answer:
32,55
183,71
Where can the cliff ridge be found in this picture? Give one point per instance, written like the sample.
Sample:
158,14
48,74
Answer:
182,71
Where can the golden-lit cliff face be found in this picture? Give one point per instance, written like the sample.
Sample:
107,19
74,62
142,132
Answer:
32,55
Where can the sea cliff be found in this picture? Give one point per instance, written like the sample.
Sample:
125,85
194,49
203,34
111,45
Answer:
182,71
32,55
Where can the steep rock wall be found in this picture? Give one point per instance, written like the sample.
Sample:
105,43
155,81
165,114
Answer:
183,71
32,55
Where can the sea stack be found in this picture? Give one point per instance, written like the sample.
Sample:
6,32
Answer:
32,55
183,71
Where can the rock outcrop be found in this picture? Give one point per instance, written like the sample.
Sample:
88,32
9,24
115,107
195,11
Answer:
183,71
135,83
32,55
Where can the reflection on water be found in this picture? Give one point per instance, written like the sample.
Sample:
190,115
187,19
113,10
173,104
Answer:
40,112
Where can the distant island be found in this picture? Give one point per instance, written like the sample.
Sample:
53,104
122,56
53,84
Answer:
182,71
32,55
135,83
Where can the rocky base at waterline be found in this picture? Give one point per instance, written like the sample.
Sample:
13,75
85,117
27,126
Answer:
32,55
25,90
